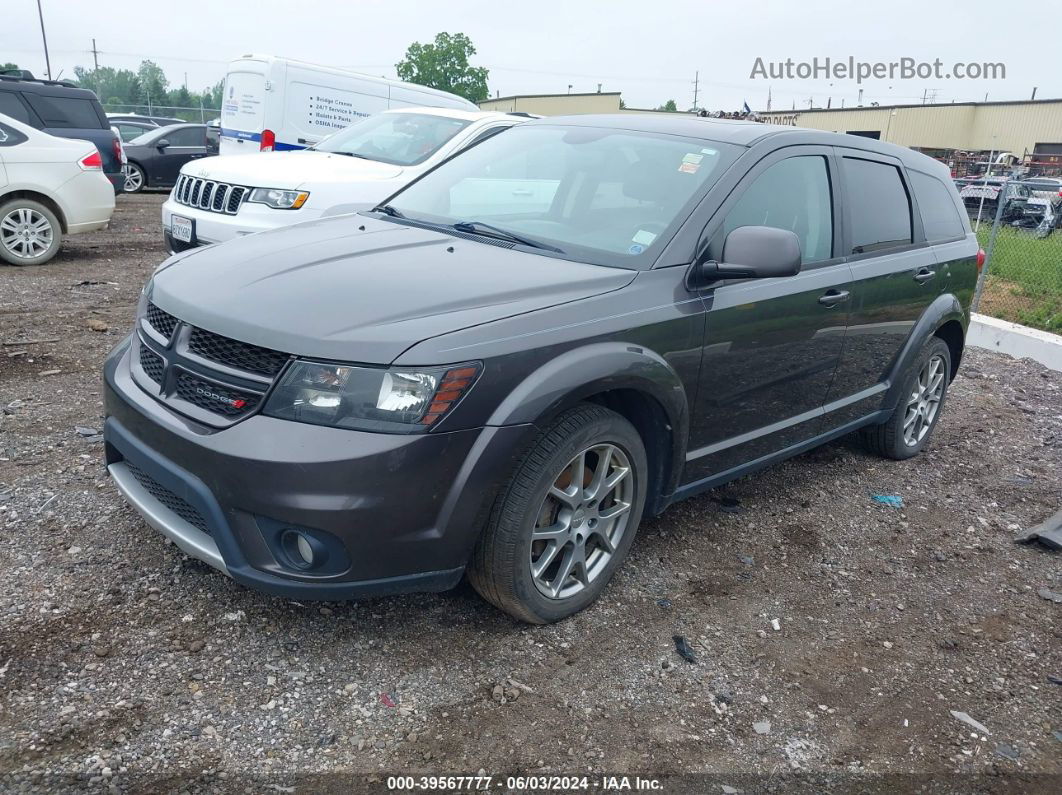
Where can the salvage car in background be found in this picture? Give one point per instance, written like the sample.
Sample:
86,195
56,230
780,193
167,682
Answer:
352,170
49,187
982,198
156,157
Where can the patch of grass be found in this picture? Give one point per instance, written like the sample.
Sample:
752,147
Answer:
1024,282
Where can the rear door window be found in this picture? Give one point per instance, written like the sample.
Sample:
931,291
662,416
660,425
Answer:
66,112
190,136
879,206
940,218
11,105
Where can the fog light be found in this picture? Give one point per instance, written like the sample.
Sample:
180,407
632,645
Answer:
299,549
303,546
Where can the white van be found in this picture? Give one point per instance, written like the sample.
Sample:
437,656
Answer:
273,104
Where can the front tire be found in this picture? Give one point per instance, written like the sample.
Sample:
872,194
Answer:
135,180
908,429
565,520
30,233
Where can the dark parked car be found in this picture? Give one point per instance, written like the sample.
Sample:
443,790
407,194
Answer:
156,157
61,109
128,130
504,368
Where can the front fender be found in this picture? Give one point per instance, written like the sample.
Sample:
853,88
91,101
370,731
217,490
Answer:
592,370
944,308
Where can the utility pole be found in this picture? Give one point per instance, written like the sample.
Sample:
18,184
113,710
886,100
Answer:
95,56
1033,94
696,88
768,97
44,38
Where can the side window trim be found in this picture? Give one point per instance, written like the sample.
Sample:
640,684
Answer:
918,238
715,223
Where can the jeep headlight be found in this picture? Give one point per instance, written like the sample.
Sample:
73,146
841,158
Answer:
279,199
396,400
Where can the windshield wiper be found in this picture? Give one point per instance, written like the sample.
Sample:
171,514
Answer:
390,210
489,230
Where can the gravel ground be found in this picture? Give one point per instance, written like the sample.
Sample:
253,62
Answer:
833,636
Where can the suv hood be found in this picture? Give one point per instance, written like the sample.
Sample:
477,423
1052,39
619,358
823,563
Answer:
290,170
358,289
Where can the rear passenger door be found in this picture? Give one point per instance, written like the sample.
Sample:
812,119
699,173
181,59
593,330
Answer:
894,279
772,345
188,143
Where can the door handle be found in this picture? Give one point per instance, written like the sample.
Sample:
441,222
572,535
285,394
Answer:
833,297
923,275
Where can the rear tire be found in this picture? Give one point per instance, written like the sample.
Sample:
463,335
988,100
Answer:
552,544
30,233
925,386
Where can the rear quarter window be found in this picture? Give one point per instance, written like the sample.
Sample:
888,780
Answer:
11,105
9,136
66,112
936,203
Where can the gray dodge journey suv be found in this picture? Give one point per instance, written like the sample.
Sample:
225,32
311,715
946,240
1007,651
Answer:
503,369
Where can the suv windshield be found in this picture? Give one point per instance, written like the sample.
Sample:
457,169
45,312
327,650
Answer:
600,195
402,139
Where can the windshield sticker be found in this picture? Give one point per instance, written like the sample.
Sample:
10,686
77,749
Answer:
635,249
689,168
692,157
643,237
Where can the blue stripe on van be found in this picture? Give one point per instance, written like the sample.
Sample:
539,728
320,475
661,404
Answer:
278,146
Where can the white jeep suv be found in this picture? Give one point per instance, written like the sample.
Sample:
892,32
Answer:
219,198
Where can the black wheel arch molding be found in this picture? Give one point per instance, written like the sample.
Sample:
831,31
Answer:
944,318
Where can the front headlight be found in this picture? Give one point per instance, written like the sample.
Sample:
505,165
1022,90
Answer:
397,400
279,199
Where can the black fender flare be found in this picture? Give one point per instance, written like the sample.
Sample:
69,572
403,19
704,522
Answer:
583,372
944,309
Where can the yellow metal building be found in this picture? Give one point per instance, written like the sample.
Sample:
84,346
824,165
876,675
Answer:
1030,129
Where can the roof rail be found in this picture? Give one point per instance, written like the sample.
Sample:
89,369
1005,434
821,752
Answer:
23,76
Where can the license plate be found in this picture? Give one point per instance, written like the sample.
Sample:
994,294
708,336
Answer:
182,229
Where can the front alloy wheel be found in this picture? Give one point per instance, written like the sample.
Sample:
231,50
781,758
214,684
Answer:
582,521
564,521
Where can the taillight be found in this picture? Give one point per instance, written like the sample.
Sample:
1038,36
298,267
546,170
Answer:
268,140
980,259
116,145
93,161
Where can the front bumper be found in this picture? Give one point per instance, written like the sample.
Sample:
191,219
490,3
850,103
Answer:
213,227
396,513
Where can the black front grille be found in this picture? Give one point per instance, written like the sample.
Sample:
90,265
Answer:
169,499
214,398
234,353
163,322
152,363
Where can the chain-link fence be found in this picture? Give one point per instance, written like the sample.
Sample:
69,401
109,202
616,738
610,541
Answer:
199,113
1020,229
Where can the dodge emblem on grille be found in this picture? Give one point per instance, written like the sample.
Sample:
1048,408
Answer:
236,403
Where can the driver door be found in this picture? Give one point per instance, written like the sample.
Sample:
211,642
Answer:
771,346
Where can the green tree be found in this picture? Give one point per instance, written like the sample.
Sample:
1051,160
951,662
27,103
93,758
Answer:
670,106
6,67
444,65
153,82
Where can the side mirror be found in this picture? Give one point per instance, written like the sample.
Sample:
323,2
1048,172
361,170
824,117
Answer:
753,252
162,143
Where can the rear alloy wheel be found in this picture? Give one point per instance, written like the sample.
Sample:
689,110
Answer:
134,178
30,233
564,522
908,429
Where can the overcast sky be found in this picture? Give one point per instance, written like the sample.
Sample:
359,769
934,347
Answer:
649,51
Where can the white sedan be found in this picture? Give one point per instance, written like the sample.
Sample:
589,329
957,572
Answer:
49,187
